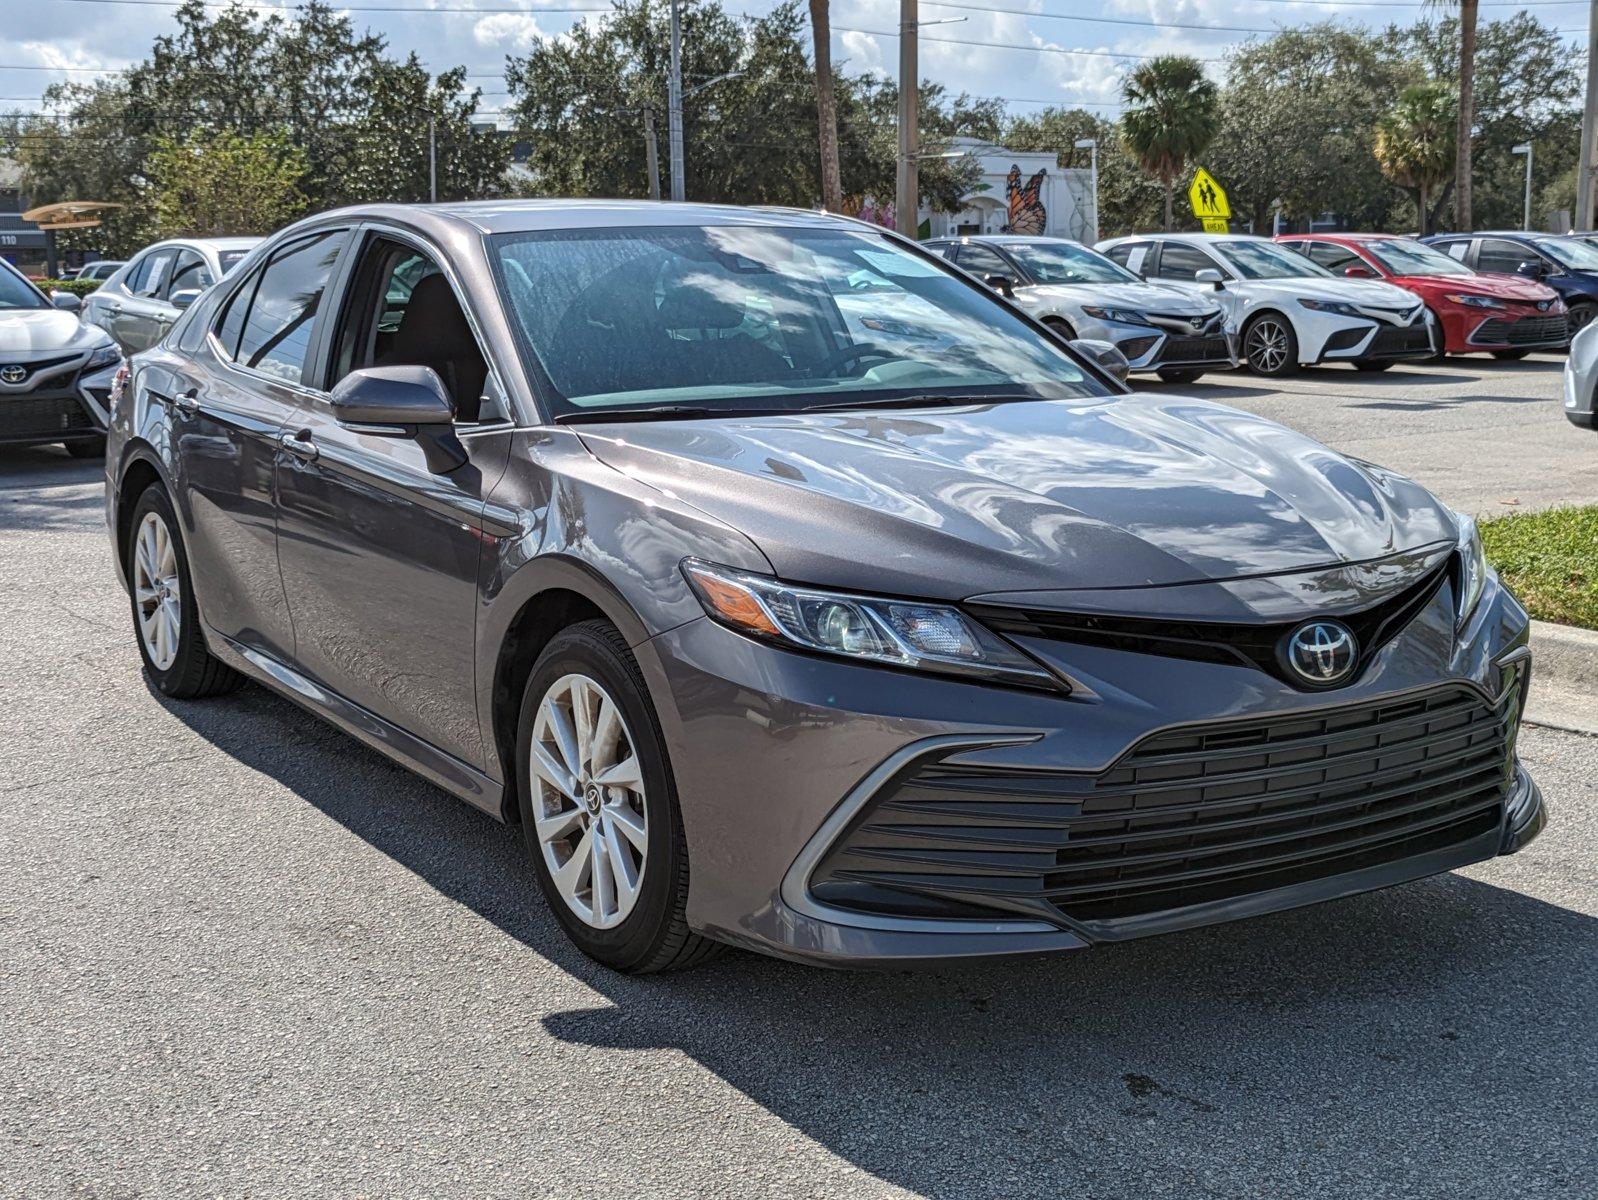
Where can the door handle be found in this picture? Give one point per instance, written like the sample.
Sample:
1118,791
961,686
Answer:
299,444
188,403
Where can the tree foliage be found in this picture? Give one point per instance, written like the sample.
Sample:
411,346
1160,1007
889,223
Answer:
1172,115
1415,142
226,183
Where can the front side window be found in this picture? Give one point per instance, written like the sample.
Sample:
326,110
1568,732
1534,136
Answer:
742,319
982,262
1404,256
1063,262
1501,257
268,324
1333,257
1180,261
1265,260
189,272
16,292
153,275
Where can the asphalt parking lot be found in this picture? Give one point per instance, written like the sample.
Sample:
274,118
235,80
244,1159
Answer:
240,955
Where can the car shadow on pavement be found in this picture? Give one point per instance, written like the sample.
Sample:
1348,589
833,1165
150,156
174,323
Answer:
1434,1039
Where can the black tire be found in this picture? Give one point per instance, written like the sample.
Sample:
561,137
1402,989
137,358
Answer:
1510,355
1372,364
1282,359
654,936
1183,376
1581,315
194,671
1062,327
86,447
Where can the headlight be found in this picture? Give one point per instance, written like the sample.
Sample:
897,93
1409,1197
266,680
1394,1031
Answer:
1470,301
1334,306
1123,315
1472,567
105,356
899,633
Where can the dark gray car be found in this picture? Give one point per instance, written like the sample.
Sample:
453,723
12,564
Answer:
604,517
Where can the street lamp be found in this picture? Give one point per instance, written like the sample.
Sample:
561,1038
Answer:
1525,148
1092,146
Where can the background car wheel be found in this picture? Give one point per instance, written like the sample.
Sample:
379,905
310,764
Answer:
1510,355
1180,376
1581,316
599,806
1061,326
1270,347
1370,364
86,447
166,621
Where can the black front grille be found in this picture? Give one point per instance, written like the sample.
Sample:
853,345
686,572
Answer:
1189,816
30,416
1392,341
1198,349
1528,331
1136,348
33,368
1233,643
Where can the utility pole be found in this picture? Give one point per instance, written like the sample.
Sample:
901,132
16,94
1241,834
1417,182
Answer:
432,161
674,105
1091,145
1525,148
907,192
652,153
1589,125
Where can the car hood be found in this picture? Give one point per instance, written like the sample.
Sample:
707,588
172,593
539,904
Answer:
42,330
1122,491
1144,297
1370,292
1502,287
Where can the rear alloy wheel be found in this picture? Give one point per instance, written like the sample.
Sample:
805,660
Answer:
1270,346
599,807
1180,377
1510,355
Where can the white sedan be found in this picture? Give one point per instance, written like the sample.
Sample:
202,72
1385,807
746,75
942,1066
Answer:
1082,294
1290,312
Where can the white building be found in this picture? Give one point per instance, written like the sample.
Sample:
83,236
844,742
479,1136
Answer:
1021,191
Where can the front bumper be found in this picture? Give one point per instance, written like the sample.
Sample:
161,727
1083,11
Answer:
1349,339
58,403
1150,348
1510,330
777,756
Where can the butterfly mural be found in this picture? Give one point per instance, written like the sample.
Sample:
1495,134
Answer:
1026,210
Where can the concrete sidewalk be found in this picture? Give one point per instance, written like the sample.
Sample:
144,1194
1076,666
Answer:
1564,678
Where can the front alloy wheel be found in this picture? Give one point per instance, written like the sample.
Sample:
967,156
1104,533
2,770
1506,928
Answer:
1270,347
590,815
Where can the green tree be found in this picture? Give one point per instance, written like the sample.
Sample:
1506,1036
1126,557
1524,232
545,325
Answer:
1415,142
226,184
1172,115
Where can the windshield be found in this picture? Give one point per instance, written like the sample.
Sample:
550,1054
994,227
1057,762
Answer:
17,292
748,318
1266,260
1568,252
1063,262
231,258
1402,256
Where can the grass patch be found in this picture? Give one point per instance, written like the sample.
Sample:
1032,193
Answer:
1550,561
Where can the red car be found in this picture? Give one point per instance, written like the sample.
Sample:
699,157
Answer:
1507,316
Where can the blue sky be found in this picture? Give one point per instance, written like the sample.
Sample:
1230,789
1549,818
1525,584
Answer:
1069,58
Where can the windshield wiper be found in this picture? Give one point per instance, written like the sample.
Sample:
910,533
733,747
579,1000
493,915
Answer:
909,402
660,412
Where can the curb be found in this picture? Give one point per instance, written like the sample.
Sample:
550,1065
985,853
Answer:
1564,678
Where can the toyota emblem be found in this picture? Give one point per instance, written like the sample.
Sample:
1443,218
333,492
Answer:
1198,322
13,374
1542,306
1321,653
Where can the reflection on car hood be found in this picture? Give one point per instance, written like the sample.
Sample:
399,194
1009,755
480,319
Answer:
41,330
1114,492
1144,297
1313,287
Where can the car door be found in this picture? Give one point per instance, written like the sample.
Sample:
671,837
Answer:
379,549
106,304
142,322
1500,256
227,423
984,262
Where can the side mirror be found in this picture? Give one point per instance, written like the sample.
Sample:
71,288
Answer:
1532,269
1002,284
402,402
1358,272
183,297
66,301
1106,354
1211,276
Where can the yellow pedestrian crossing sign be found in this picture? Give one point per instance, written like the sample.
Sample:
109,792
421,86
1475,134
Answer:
1208,197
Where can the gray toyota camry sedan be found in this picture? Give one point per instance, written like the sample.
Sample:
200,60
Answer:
603,517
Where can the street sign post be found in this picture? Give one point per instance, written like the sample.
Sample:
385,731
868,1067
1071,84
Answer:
1209,202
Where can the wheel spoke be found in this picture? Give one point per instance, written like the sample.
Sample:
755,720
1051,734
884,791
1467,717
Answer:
583,719
553,826
607,730
602,885
623,874
565,740
551,772
623,774
621,817
570,875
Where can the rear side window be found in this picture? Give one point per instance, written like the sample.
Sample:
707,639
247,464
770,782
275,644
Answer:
1131,255
1182,262
153,274
139,272
1332,256
269,322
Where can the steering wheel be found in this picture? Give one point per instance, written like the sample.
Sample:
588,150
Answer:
847,354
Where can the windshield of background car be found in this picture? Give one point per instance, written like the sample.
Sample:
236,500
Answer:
231,258
17,292
1404,257
761,318
1568,252
1060,262
1267,260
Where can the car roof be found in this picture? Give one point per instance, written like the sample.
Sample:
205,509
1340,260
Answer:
1191,239
527,216
1348,237
1007,239
215,243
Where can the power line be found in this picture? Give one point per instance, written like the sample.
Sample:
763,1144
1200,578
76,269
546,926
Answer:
1011,45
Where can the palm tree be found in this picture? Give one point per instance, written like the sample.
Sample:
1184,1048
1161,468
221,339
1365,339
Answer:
1467,106
1171,117
1415,142
826,107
